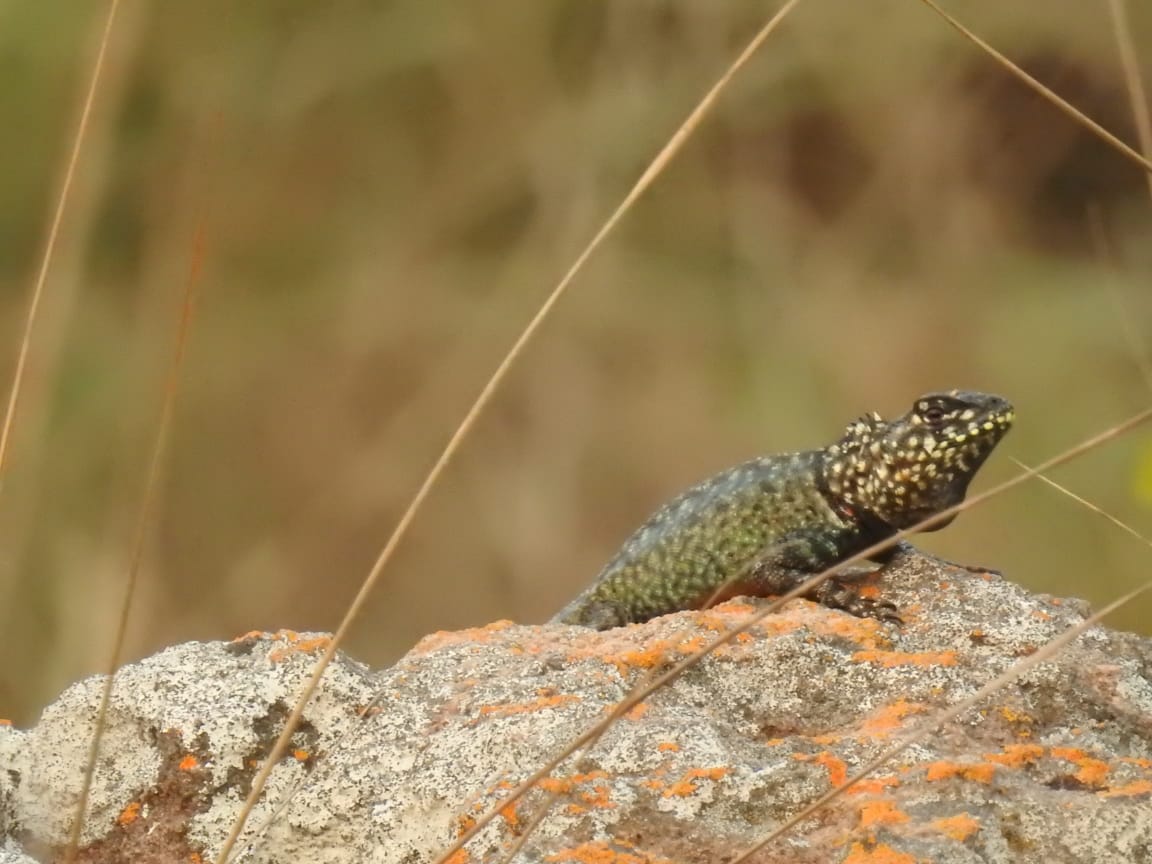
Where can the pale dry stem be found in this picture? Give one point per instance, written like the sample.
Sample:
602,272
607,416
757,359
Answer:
53,236
1137,343
537,821
147,505
1066,107
1126,46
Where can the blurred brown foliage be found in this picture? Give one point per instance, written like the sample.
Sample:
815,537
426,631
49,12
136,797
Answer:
875,210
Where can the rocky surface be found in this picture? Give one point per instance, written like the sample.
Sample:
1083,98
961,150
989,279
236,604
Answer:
1056,768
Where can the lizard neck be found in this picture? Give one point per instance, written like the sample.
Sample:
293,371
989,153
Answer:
864,521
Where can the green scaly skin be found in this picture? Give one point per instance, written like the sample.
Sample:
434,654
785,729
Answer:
763,527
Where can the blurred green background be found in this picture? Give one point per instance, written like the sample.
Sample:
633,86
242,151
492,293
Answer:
391,190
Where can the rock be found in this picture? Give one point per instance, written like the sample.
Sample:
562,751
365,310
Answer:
1055,768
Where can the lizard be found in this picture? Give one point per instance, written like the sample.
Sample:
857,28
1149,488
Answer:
762,527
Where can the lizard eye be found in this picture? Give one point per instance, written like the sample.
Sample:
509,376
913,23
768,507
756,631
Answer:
934,415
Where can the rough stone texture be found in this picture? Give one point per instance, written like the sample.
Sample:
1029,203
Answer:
1057,768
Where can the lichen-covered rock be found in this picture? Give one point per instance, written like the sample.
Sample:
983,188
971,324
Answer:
1056,768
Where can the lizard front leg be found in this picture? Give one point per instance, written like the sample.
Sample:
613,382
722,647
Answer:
771,576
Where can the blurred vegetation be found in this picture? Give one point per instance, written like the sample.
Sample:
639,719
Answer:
391,189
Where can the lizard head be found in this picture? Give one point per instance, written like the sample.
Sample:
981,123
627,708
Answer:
907,469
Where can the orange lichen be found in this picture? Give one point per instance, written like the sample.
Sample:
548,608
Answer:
890,659
540,704
295,644
889,719
959,827
4,722
446,638
599,795
604,853
465,823
564,785
189,763
301,755
511,817
717,623
687,785
129,814
1136,787
882,811
1016,755
863,631
650,657
878,854
693,644
1040,615
1014,716
668,747
736,609
836,767
638,711
874,785
912,611
1091,771
979,772
460,856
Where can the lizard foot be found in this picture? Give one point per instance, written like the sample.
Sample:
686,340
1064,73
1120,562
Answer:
836,594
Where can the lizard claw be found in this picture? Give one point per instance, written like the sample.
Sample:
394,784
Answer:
881,610
837,594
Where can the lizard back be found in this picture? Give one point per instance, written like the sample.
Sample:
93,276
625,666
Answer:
697,543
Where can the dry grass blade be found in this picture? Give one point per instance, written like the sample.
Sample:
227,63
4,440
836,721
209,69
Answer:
644,692
53,236
1124,526
1137,344
934,723
152,481
1067,108
1132,80
654,169
536,822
